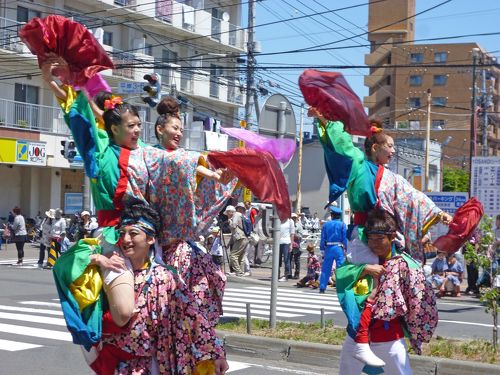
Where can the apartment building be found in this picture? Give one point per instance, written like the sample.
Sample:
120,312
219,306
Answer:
194,45
401,77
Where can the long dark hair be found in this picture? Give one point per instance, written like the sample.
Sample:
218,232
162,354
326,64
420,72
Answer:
113,116
167,108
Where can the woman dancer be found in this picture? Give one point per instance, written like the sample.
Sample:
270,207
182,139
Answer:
167,315
371,185
195,196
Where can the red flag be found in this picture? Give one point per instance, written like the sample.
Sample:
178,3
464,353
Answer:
332,96
69,40
260,172
463,225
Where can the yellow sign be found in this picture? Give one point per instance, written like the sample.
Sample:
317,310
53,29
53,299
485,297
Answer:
7,150
246,195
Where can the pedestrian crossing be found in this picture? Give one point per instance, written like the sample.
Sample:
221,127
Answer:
27,263
292,304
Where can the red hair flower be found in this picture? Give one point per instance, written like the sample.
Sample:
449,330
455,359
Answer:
375,130
110,104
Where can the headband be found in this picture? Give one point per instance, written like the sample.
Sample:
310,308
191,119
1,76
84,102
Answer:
141,224
110,104
367,232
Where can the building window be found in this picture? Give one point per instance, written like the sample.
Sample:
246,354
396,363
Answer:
25,108
388,81
148,49
169,56
414,103
414,124
107,38
439,101
440,80
416,58
440,57
25,14
389,58
438,124
416,80
388,101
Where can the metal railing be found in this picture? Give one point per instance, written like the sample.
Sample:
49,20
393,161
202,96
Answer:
9,38
34,117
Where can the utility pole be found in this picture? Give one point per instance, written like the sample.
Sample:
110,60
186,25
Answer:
428,139
299,164
250,63
475,52
484,106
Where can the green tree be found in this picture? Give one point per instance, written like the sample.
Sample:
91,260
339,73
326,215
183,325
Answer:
455,179
482,254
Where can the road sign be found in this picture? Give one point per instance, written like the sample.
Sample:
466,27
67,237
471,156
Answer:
269,117
130,88
485,182
449,202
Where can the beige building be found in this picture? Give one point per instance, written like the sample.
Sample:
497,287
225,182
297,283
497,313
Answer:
403,73
192,45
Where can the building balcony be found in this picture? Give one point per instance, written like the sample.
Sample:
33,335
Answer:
9,38
373,79
32,117
375,99
379,54
187,20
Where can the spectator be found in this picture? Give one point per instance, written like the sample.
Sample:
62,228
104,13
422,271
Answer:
287,231
215,247
251,214
87,226
472,271
58,226
454,275
18,228
315,224
296,252
305,221
259,229
238,242
439,267
65,243
46,231
313,268
246,226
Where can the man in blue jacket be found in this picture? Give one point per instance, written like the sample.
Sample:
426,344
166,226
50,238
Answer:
333,244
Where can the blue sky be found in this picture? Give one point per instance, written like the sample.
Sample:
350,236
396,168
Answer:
457,17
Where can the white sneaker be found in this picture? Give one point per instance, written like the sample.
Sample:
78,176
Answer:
247,274
364,353
283,279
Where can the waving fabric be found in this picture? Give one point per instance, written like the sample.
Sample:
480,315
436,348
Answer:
461,228
330,93
282,149
260,172
69,40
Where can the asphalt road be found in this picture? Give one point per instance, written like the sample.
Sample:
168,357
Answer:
33,336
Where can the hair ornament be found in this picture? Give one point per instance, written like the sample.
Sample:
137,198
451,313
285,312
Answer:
375,129
110,104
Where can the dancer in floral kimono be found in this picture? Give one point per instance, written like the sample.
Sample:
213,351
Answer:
167,335
402,301
369,184
193,197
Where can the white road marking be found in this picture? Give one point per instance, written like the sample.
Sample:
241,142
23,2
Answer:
278,308
281,302
236,366
29,310
35,332
33,319
260,312
14,346
466,323
39,303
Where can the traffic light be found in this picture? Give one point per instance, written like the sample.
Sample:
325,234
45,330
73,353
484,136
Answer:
69,150
153,88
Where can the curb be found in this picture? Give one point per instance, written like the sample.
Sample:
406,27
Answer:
328,356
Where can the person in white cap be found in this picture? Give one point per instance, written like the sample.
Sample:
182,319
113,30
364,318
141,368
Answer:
46,230
88,225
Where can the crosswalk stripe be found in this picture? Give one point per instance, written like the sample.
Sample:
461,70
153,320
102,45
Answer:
35,332
14,346
257,311
29,310
33,319
236,366
291,303
295,292
254,306
14,261
282,299
288,293
40,303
